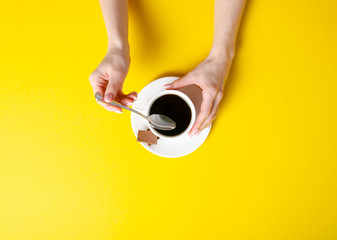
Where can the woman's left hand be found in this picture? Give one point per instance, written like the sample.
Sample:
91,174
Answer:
210,75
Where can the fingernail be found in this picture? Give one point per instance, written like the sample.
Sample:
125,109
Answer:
118,112
168,85
197,133
108,97
136,97
129,104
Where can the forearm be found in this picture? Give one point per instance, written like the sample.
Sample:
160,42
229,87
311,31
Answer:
227,16
115,14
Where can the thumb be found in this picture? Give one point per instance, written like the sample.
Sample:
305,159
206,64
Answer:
179,83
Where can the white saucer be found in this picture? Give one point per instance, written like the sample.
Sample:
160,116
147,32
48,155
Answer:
169,148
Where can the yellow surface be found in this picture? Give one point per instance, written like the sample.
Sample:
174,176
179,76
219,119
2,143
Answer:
71,170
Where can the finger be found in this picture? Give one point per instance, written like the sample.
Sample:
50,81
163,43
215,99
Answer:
120,95
179,83
205,110
133,95
211,117
111,108
98,88
97,84
126,101
216,112
207,122
113,86
217,108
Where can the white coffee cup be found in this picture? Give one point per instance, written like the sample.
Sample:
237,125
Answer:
190,105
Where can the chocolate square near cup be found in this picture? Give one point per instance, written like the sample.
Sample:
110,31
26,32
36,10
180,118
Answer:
147,137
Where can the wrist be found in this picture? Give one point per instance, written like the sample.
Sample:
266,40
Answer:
122,49
222,53
118,46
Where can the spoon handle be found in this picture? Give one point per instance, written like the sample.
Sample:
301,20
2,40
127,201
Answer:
99,98
114,103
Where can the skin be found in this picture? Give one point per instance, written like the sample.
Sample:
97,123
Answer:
109,76
210,75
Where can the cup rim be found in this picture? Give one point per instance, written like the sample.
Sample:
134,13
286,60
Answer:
185,98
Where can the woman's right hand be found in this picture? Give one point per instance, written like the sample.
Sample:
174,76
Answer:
108,79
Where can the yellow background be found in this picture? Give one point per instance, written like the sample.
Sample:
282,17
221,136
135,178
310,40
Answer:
71,170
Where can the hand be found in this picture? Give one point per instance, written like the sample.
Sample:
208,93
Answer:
210,75
108,79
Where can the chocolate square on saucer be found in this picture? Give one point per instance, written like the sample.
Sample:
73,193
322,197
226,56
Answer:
147,137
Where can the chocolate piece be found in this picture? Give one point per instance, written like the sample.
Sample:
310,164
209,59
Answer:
147,137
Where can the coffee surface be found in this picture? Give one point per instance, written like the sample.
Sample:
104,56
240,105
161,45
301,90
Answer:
175,108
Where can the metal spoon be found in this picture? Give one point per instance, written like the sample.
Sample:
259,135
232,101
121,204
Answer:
157,121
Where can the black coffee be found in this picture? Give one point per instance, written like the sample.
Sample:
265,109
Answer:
175,108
